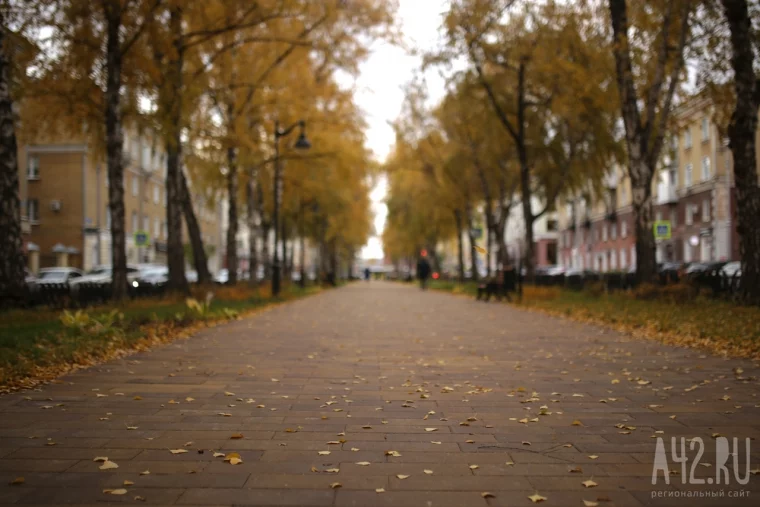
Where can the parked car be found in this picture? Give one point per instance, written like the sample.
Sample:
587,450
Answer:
51,276
731,275
102,275
155,276
29,279
698,269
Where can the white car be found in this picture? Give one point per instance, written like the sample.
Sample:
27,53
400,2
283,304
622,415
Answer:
152,275
102,275
57,276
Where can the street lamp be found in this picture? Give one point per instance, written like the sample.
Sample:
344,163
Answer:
301,144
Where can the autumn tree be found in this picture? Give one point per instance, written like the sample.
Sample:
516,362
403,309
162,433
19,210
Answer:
12,45
649,63
87,86
542,71
742,132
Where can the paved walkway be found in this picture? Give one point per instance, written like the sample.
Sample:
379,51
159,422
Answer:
428,398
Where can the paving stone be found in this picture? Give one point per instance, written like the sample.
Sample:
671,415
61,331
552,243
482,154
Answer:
322,369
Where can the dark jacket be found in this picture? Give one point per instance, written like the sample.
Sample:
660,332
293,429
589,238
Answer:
423,268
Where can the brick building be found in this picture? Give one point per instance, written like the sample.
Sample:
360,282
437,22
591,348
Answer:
693,192
65,216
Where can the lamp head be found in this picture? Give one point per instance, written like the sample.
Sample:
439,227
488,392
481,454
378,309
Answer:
302,143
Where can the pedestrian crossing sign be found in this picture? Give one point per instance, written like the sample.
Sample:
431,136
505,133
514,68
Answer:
662,229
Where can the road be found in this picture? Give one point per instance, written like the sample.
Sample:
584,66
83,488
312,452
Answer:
380,394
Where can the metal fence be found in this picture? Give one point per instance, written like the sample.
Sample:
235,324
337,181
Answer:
61,295
715,282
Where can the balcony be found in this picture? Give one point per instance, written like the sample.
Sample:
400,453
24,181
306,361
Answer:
666,194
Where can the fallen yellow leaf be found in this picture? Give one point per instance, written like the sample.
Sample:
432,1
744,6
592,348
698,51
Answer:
17,481
108,465
120,491
535,498
589,483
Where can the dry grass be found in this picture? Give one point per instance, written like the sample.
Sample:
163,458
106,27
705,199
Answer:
676,315
38,345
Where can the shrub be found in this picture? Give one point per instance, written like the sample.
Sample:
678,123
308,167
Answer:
682,292
533,292
595,289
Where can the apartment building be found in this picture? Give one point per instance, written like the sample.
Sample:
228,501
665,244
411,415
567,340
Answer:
65,215
693,194
597,232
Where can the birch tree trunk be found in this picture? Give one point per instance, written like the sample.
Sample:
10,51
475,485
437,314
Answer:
473,251
265,260
200,260
460,244
11,249
114,148
250,194
741,132
232,215
174,194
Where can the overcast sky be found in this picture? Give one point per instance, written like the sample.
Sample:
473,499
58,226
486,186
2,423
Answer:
379,88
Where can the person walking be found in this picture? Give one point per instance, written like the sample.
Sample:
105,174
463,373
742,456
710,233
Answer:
366,274
423,269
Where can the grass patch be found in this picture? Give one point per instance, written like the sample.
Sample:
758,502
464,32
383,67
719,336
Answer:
719,326
39,345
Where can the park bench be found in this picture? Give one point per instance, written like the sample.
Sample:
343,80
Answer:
498,286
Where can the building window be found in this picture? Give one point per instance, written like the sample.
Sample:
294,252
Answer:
687,175
673,218
156,227
551,225
706,210
613,260
134,222
623,260
705,129
145,223
624,229
33,210
686,250
673,176
613,231
689,219
108,217
658,216
705,168
135,184
33,168
604,233
164,230
633,256
164,198
156,192
687,139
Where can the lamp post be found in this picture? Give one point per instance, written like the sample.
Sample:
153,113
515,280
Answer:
301,144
